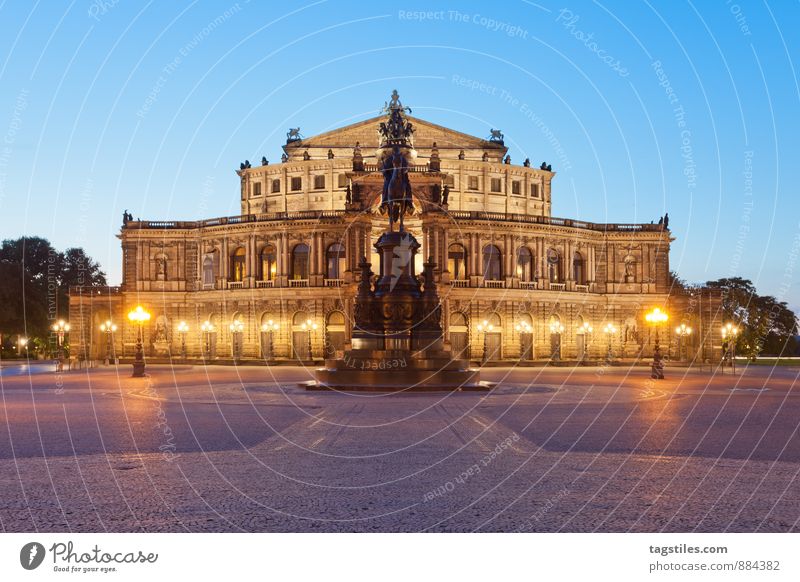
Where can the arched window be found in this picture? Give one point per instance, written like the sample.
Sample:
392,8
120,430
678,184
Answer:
578,271
456,261
300,261
335,261
237,264
525,264
269,263
492,262
553,266
209,268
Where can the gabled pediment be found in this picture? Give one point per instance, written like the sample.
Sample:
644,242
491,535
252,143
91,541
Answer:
366,134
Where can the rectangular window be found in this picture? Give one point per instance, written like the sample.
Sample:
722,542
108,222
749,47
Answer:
257,189
473,183
496,185
319,182
450,180
297,184
515,187
276,185
535,190
342,181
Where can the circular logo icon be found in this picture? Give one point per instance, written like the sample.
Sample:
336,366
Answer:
31,555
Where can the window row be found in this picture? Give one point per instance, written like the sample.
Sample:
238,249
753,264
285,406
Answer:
296,184
267,264
525,269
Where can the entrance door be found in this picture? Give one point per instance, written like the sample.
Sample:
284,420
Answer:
458,342
555,346
580,343
526,346
300,345
334,334
493,343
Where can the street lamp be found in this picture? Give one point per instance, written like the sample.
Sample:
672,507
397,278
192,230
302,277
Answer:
522,327
609,329
270,327
682,331
61,327
108,328
585,329
486,328
139,316
729,333
308,327
236,327
207,328
656,318
556,329
183,329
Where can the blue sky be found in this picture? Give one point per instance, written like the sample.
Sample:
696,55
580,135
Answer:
641,108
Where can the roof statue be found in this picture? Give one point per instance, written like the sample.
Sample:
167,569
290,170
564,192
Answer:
293,135
496,136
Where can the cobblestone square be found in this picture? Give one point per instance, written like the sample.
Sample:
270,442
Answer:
550,449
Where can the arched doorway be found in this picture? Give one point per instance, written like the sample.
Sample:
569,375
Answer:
459,335
300,336
556,329
208,329
525,329
494,338
334,334
268,327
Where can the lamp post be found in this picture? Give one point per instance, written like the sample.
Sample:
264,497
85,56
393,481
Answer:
61,327
556,329
609,329
236,327
486,328
522,327
585,329
729,334
108,328
139,316
22,343
655,318
207,328
183,329
308,327
269,328
682,331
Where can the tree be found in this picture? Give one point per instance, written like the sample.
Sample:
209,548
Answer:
767,326
34,284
